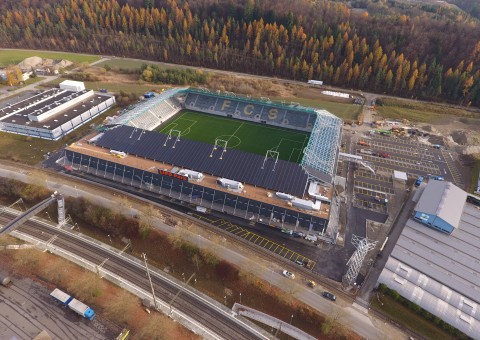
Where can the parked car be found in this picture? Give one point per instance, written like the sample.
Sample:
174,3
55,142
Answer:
299,262
311,283
329,296
383,155
295,234
288,274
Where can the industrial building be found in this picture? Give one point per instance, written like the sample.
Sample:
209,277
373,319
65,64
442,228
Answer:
435,207
53,113
436,261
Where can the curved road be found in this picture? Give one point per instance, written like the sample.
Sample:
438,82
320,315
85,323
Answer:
203,311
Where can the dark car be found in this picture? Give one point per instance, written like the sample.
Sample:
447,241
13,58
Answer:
329,296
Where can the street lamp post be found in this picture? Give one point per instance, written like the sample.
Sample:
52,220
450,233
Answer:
291,319
240,298
110,238
183,276
225,300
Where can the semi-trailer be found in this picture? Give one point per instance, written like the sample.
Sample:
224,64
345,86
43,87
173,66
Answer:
72,303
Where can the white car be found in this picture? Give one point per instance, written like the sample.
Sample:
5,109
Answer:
288,274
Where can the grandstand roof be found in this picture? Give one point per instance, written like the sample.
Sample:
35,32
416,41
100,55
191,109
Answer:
146,105
237,165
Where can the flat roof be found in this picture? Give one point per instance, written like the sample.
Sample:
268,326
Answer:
21,118
238,165
250,191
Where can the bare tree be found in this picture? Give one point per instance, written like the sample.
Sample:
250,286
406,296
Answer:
157,328
27,259
332,324
87,286
56,270
197,260
121,307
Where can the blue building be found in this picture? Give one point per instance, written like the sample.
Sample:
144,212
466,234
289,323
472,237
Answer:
441,205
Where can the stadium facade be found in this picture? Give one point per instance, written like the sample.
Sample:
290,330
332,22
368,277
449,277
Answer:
53,113
271,190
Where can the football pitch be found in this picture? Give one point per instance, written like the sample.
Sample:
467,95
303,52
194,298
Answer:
239,134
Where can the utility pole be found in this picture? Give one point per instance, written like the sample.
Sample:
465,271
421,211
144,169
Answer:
149,279
179,291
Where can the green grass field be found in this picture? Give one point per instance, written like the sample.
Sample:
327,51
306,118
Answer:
240,135
8,57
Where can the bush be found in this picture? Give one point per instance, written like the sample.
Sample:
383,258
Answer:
226,271
152,73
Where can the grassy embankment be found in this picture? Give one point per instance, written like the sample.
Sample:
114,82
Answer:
8,57
423,112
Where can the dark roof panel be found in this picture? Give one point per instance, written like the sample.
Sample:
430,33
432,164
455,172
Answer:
237,165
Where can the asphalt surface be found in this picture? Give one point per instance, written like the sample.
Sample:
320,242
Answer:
206,313
26,309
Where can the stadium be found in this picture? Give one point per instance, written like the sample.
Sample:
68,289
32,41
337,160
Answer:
53,113
263,161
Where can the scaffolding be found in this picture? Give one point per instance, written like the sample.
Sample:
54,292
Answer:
321,151
363,245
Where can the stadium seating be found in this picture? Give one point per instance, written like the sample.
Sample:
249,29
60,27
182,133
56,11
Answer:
156,115
253,110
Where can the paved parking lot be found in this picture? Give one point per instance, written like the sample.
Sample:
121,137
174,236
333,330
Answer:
259,240
408,155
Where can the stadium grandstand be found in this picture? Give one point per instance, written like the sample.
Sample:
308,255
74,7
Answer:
53,113
151,112
228,168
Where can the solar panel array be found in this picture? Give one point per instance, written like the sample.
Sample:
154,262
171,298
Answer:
237,165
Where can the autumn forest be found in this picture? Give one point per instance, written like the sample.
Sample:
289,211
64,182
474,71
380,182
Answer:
415,53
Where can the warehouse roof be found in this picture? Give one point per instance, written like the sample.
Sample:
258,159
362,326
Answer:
444,200
440,272
241,166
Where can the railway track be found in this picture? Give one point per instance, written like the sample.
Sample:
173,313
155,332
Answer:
196,307
170,209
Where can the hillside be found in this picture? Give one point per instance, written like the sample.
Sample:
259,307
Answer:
404,48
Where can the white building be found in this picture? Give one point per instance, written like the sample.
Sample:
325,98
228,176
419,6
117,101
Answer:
72,85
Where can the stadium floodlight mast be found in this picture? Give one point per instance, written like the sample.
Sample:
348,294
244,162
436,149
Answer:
219,143
134,130
173,133
273,154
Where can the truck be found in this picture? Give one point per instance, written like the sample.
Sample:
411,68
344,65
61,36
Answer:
81,309
419,181
72,303
315,82
366,152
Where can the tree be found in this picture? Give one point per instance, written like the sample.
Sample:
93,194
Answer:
87,286
120,307
157,327
26,259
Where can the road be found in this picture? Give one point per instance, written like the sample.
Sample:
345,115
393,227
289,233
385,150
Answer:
356,319
216,319
30,87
